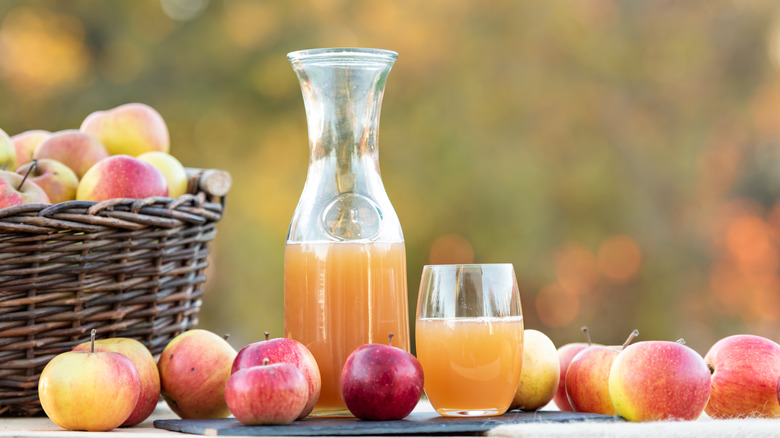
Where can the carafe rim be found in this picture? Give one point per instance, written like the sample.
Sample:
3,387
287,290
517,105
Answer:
342,54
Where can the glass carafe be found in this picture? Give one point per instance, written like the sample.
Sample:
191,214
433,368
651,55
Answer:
345,259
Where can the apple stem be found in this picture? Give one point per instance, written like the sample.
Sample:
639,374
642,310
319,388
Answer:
681,341
390,339
631,337
587,334
92,334
266,361
33,163
267,334
226,336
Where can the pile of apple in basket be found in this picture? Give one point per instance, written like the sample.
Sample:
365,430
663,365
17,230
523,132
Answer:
118,153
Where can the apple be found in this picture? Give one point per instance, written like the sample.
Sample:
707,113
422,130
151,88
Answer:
55,178
89,390
659,380
565,354
121,176
540,373
147,370
7,152
381,382
587,379
267,394
25,144
73,148
745,370
194,368
284,350
131,129
15,190
171,168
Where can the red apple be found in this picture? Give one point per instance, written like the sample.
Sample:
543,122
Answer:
194,368
25,144
745,371
659,380
130,129
267,394
121,176
284,350
15,190
587,379
7,152
147,370
381,382
565,354
55,178
75,149
89,390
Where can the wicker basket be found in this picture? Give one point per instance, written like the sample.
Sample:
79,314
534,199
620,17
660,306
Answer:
126,267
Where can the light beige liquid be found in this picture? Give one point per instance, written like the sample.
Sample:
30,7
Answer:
339,296
471,365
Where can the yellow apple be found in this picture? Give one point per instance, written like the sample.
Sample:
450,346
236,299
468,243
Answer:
171,168
89,390
73,148
540,374
131,129
147,369
7,152
55,178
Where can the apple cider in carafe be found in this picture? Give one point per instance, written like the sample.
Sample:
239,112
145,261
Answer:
339,296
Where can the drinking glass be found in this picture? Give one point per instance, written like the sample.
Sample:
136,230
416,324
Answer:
469,334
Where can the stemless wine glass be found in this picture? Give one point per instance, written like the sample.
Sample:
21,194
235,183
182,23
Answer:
469,335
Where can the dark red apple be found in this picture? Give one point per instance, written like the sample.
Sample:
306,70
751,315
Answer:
381,382
284,350
267,394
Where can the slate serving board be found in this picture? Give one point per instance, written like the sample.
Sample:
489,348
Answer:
415,424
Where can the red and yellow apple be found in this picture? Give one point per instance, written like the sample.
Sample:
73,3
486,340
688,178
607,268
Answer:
15,190
89,390
147,370
194,369
745,371
129,129
25,144
587,380
267,394
171,168
7,152
55,178
121,176
540,373
73,148
659,380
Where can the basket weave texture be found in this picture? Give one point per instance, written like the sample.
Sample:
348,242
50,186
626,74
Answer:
125,267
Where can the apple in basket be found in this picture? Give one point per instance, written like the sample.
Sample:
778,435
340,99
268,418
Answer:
659,380
745,369
55,178
25,144
540,373
89,390
7,152
194,368
284,350
171,168
121,176
147,369
77,150
381,382
15,190
267,394
131,129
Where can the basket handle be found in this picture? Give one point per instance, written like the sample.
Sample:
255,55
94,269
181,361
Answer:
214,182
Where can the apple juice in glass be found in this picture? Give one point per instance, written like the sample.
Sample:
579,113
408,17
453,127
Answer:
345,259
469,334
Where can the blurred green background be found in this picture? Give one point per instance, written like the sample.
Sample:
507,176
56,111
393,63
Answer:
623,155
